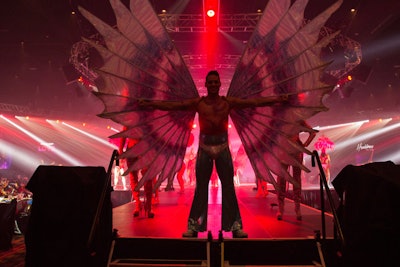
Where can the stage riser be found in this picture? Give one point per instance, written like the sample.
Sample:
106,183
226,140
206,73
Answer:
312,198
309,197
120,197
234,252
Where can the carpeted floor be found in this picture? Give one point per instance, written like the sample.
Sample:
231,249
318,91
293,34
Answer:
14,257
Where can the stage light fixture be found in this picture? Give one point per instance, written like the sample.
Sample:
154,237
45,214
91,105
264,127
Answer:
210,13
211,9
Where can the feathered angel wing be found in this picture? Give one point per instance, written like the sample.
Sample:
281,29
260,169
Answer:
140,61
282,57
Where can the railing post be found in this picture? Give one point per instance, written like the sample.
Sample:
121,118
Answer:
324,183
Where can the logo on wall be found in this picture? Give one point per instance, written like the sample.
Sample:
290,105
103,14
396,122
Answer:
366,147
45,147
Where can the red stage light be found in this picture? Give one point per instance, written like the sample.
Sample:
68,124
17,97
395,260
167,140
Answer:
210,13
344,80
301,97
211,18
211,9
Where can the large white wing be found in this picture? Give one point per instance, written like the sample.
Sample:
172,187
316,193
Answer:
141,61
282,57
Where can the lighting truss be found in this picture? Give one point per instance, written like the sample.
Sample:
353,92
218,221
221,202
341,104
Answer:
18,110
80,60
229,23
352,52
195,22
14,109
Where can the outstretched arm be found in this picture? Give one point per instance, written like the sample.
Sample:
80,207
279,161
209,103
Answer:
236,102
169,105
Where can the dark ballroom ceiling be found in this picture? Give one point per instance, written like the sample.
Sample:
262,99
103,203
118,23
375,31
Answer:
36,37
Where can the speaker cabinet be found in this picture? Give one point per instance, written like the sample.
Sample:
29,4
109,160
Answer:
7,217
370,213
63,213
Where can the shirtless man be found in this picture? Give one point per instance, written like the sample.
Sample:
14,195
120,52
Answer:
213,111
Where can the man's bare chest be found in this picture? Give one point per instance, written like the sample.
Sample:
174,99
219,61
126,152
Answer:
218,109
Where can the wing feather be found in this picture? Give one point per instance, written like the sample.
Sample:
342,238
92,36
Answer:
140,61
282,57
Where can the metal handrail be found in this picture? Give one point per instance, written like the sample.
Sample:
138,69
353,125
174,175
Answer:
324,184
106,188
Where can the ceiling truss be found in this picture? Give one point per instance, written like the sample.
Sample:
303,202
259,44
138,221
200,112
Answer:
194,23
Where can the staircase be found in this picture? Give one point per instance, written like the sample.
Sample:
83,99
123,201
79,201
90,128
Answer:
221,253
272,252
159,252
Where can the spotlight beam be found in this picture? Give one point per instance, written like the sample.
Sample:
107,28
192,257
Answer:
339,125
22,156
363,137
56,151
98,139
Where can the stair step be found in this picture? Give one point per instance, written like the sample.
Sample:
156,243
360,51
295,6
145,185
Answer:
274,252
230,265
305,252
155,263
159,252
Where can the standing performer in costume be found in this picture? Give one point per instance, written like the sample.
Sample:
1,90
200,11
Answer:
134,178
181,180
180,173
190,167
283,57
179,177
326,164
262,188
239,164
282,185
213,111
322,144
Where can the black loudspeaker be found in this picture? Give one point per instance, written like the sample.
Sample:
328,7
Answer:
370,213
7,218
60,230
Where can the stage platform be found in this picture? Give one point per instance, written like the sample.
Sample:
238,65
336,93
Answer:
258,215
143,241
